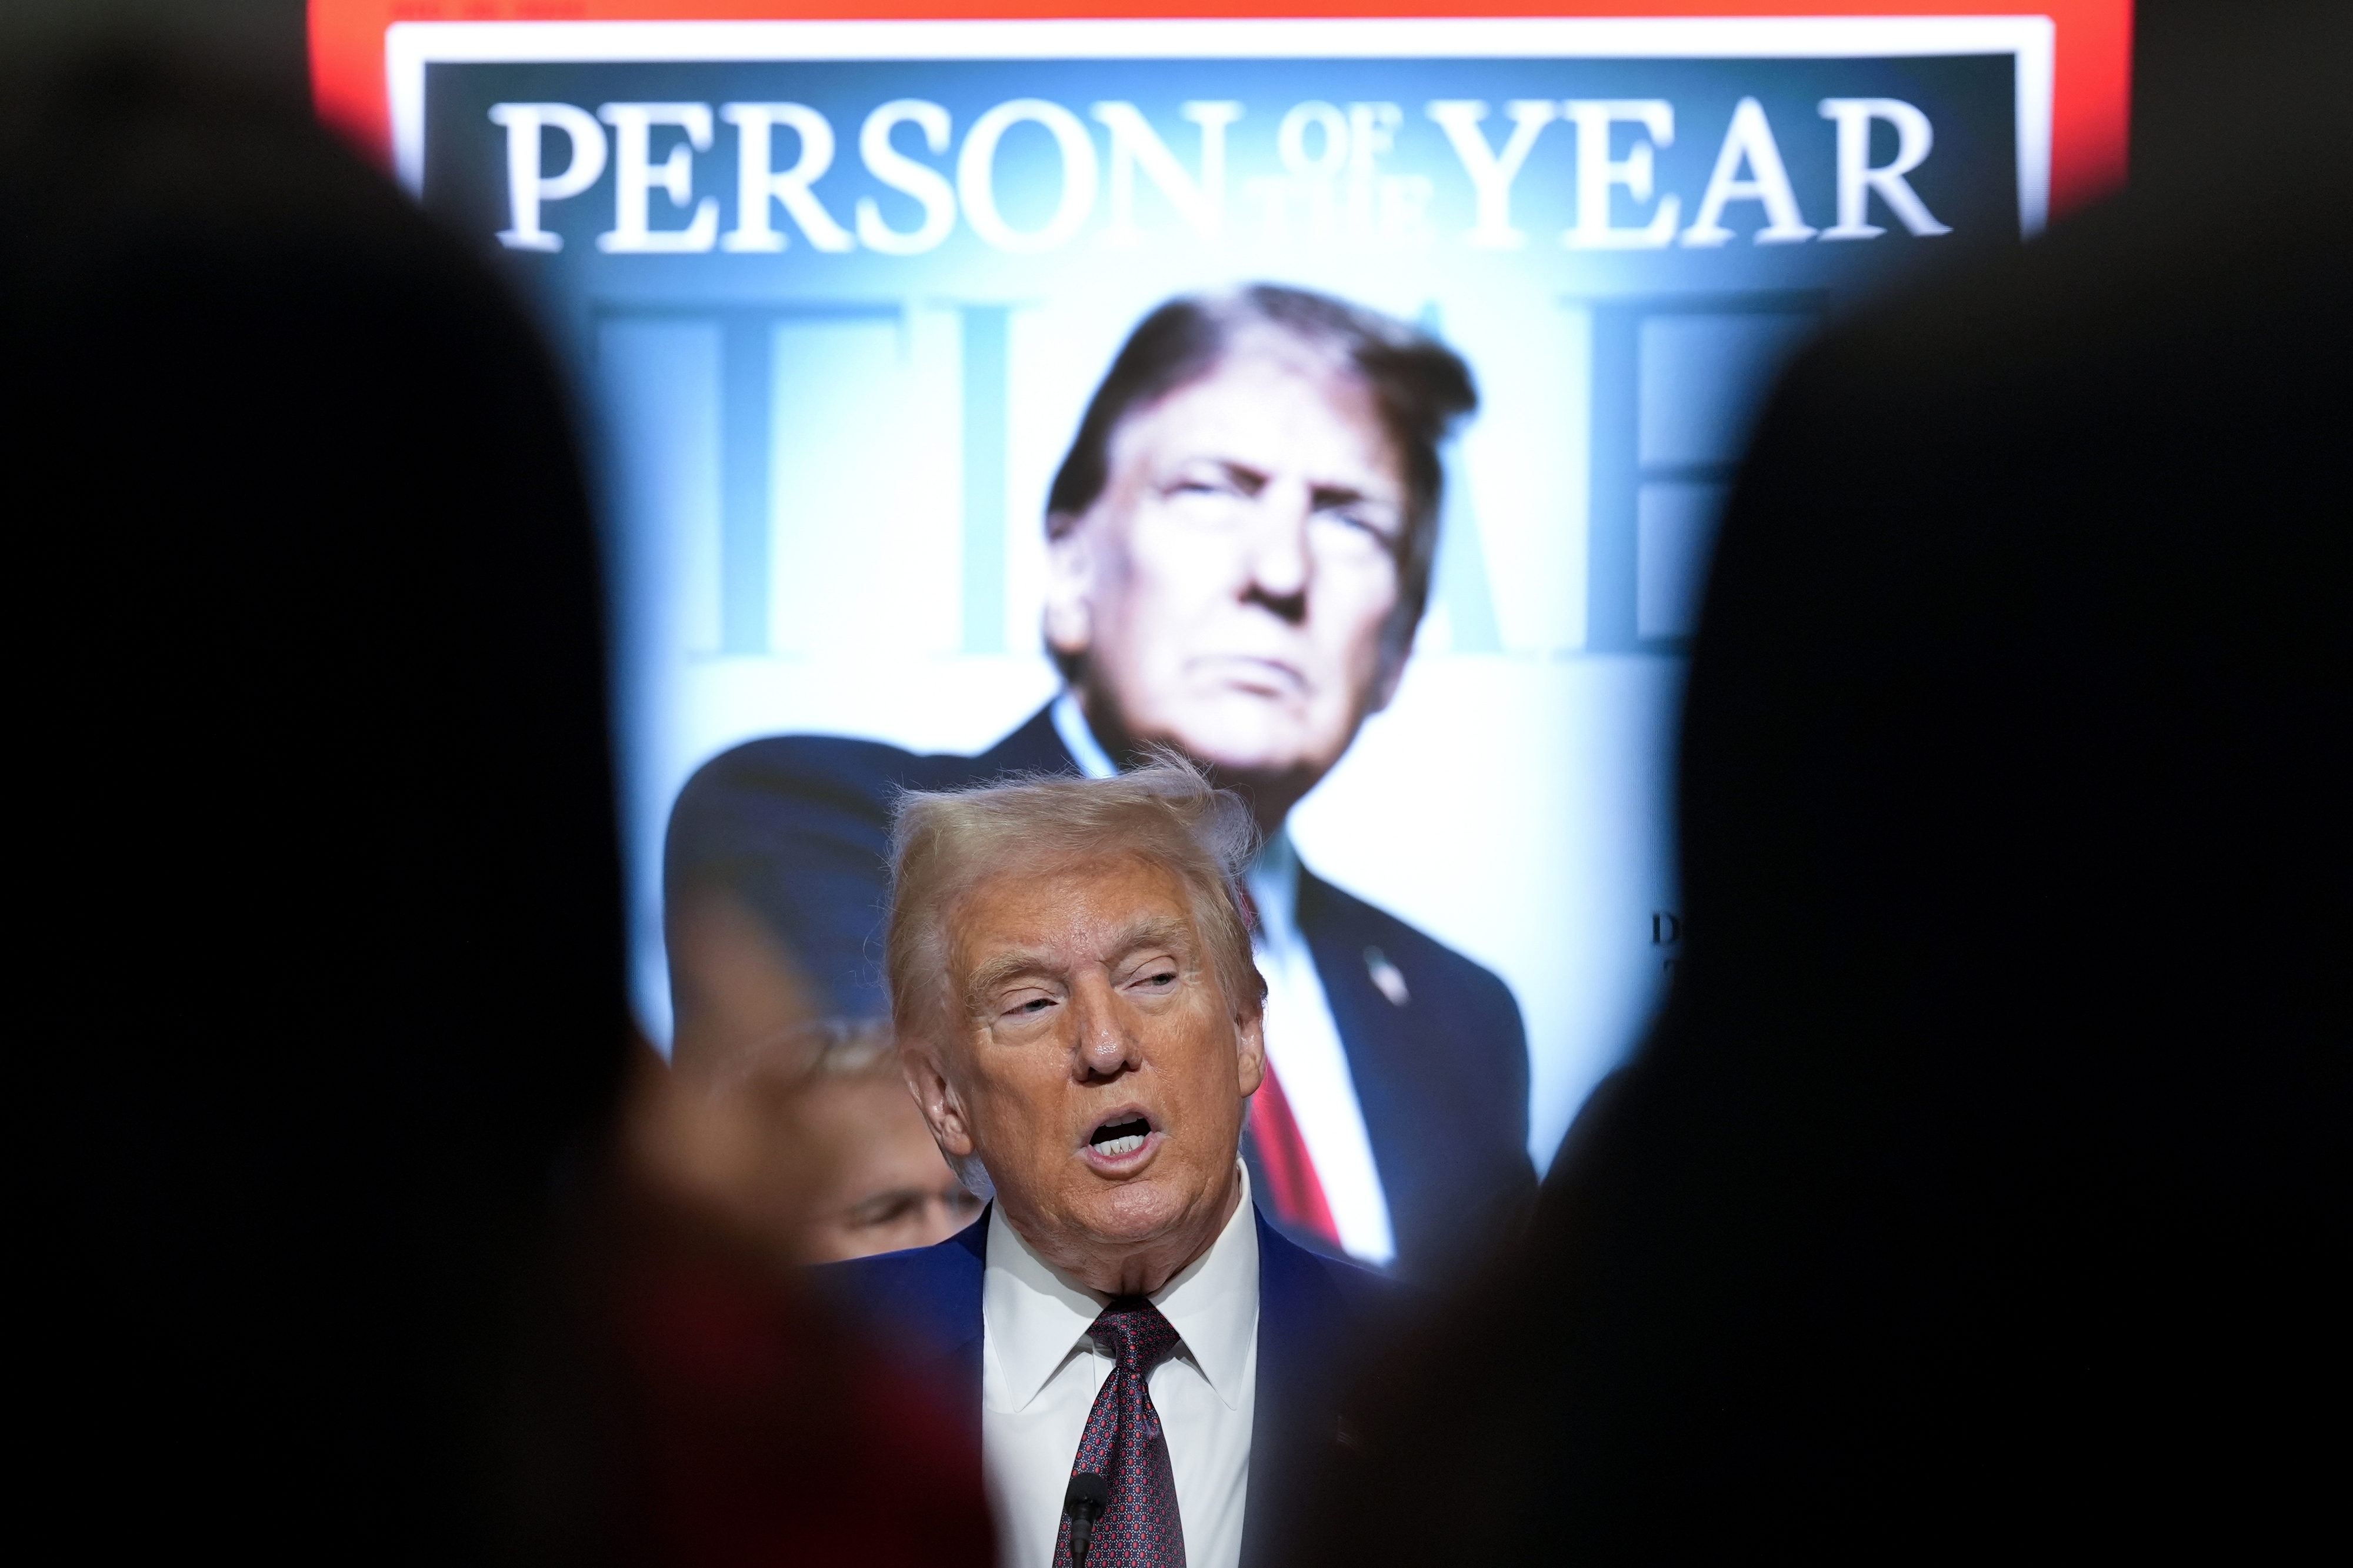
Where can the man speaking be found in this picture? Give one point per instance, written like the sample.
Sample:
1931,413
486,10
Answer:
1240,543
1079,1021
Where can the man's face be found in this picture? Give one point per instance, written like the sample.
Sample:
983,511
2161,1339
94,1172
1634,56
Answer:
885,1186
1234,589
1097,1067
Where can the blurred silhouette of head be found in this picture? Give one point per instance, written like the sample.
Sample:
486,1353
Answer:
325,795
1971,1185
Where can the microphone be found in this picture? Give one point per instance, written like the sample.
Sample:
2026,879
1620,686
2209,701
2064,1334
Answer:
1089,1495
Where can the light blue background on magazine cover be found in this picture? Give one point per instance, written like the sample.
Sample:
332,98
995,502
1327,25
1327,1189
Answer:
825,470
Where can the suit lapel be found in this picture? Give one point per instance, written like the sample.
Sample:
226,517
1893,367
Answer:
935,1309
1382,1062
1035,748
1295,1420
961,1367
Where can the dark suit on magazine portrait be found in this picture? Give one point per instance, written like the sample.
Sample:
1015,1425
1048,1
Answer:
796,828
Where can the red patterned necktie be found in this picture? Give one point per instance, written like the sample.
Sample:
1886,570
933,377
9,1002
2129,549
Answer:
1124,1444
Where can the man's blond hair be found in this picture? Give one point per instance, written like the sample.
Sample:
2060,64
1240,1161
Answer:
946,842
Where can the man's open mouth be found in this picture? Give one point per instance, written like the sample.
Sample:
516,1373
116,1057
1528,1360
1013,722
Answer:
1113,1139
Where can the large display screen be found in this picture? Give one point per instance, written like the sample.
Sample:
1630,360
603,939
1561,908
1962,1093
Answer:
839,294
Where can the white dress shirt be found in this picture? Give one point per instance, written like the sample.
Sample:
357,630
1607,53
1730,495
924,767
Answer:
1303,1043
1041,1372
1303,1046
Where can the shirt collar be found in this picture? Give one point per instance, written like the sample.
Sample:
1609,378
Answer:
1213,1302
1079,738
1035,1317
1274,882
1032,1315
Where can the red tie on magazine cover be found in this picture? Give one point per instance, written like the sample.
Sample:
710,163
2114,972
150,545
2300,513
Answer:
1293,1191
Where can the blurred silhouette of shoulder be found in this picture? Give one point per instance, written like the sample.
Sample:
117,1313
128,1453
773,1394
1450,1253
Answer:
329,899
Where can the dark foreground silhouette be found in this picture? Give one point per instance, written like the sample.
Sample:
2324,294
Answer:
1981,1182
352,1261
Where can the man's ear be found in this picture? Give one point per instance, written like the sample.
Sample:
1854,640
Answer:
942,1109
1070,584
1250,1029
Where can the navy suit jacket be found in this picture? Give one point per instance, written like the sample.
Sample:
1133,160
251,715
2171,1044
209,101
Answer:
797,827
1316,1316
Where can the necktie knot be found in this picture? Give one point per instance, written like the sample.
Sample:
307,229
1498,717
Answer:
1134,1334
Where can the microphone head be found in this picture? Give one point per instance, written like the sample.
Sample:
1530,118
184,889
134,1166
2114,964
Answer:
1089,1495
